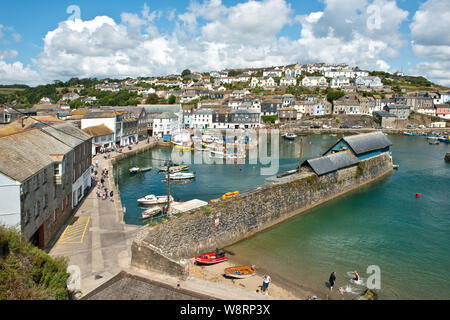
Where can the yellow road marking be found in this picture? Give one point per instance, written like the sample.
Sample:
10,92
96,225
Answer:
75,233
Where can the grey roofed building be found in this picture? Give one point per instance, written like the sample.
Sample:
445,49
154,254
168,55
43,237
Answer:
332,162
26,153
99,114
367,142
166,115
125,286
160,108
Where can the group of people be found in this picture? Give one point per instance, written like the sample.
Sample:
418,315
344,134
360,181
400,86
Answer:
102,191
332,280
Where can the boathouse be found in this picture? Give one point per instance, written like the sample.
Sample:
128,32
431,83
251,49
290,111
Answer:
331,162
363,146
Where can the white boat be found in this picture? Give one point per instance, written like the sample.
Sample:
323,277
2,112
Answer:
151,212
289,136
152,200
135,170
145,169
182,176
395,166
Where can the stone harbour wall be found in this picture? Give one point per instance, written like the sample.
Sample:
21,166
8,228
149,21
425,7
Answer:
164,247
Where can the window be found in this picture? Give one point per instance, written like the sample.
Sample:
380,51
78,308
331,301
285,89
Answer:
44,201
36,182
37,207
44,177
56,169
27,216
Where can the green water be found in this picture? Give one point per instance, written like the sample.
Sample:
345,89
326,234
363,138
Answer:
381,224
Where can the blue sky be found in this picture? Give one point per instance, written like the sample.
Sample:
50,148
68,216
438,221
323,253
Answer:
39,42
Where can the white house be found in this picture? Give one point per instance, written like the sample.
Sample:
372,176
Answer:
314,82
202,119
339,82
346,73
370,82
262,82
288,81
165,124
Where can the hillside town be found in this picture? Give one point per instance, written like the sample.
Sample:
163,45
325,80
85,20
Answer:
240,98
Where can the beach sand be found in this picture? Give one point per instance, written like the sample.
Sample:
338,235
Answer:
215,273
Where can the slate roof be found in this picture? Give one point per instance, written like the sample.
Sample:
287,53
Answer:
97,131
332,162
367,142
125,286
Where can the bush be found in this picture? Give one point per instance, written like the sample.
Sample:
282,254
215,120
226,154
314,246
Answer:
28,273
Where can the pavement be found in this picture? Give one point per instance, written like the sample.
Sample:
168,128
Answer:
96,242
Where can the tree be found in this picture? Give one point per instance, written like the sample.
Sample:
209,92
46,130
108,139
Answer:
186,72
172,99
152,99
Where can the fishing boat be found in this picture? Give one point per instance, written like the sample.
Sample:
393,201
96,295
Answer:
151,212
152,200
395,166
134,170
211,258
182,176
435,141
240,272
145,169
174,169
289,136
445,139
408,134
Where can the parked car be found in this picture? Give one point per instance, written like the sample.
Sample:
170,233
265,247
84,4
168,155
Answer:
421,126
343,126
357,127
315,126
380,127
410,126
326,127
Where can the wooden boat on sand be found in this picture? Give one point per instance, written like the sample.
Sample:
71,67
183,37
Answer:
240,272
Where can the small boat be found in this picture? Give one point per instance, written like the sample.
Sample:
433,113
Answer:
174,169
149,213
408,134
182,176
183,148
211,258
433,142
289,136
395,166
134,170
240,272
152,200
145,169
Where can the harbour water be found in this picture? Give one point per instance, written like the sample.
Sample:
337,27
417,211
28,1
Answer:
382,224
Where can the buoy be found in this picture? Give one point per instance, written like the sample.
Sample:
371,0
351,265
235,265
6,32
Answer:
418,195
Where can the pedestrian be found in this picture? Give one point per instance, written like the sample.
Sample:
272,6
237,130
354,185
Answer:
102,181
332,279
265,284
96,163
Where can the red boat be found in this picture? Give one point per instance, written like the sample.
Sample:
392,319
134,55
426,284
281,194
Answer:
211,258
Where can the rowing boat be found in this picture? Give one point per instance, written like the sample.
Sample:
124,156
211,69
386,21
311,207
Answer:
240,272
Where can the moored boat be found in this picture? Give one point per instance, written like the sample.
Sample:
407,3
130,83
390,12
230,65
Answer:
134,170
145,169
240,272
152,200
174,169
182,176
149,213
211,258
289,136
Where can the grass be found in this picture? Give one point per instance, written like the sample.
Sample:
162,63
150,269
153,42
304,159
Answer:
28,273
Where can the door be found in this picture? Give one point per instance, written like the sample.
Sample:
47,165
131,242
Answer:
37,239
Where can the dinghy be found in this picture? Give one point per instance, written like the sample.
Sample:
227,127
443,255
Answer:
240,272
211,258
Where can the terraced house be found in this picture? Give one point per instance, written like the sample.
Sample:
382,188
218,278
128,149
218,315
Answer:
44,173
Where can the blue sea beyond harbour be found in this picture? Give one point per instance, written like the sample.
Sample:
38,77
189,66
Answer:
381,224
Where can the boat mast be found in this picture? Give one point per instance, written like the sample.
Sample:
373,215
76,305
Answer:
168,186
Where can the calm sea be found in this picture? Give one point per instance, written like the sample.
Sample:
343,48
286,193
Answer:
382,224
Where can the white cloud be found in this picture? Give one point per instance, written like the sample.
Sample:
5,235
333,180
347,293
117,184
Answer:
209,35
431,40
16,72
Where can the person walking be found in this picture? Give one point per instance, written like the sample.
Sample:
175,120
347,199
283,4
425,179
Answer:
265,284
111,195
332,280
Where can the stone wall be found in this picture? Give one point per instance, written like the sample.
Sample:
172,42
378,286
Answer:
240,217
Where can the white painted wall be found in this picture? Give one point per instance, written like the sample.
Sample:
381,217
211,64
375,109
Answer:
9,202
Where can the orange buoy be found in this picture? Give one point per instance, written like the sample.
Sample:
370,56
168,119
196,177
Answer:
418,195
